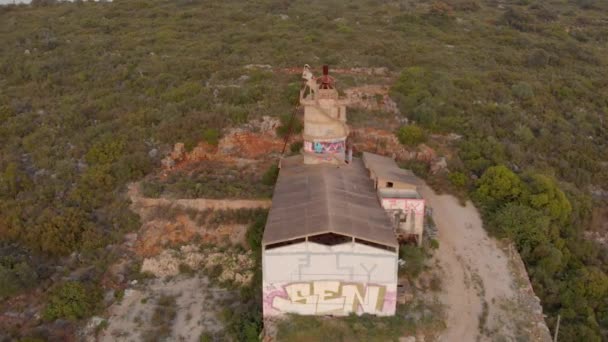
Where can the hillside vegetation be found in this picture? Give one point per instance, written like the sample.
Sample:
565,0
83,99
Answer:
93,95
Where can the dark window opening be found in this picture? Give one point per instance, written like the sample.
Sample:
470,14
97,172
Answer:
376,245
330,239
284,243
399,216
389,184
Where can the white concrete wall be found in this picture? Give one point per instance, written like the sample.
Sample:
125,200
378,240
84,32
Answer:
309,278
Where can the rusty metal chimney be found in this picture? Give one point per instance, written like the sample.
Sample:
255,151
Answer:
326,81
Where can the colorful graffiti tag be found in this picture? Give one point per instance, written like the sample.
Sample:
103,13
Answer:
338,146
328,297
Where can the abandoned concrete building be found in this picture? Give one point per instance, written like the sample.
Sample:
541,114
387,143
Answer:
331,241
398,195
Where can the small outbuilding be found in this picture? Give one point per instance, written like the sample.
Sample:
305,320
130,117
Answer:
398,194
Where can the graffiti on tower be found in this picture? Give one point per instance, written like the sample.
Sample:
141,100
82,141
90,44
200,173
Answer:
337,146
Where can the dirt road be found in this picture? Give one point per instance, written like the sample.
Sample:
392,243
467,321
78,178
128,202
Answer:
486,291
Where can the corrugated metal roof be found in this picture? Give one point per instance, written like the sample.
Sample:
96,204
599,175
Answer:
314,199
387,168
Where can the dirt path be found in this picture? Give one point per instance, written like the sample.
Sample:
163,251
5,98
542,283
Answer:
486,291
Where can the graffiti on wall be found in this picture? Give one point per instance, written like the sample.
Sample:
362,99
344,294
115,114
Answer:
407,205
337,146
328,297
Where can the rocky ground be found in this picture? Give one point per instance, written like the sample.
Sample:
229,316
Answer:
178,296
178,309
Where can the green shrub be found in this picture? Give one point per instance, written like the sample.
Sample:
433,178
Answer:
522,91
206,337
498,185
517,19
151,189
245,322
458,179
106,151
211,136
411,135
414,257
420,168
15,276
296,147
289,125
72,300
271,175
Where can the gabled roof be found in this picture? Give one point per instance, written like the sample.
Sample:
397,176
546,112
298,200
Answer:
315,199
386,168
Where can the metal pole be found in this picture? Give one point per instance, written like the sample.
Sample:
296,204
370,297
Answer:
556,329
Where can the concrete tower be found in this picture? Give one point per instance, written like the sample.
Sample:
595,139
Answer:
325,128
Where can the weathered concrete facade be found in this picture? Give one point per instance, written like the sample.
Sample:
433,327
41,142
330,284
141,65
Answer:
313,279
325,128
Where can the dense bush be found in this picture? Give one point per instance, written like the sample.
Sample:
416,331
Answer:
245,322
411,135
458,179
15,276
533,212
212,180
414,258
271,175
290,125
72,300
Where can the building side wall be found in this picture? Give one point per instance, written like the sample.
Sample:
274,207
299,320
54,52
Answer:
318,125
408,205
382,183
313,279
324,137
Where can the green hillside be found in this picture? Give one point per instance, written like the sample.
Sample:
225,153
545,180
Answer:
88,90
